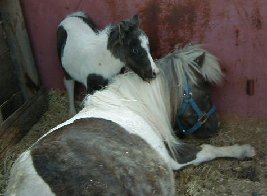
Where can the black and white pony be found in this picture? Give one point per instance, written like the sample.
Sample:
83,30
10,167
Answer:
92,56
122,141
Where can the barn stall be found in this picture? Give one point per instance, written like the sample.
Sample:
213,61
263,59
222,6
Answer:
233,30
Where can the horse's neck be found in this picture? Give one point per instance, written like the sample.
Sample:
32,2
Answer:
171,78
150,101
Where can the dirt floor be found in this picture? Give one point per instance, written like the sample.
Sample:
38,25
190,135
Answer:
219,177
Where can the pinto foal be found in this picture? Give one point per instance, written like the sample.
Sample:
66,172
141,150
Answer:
92,56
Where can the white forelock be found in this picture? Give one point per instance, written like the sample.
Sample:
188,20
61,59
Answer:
183,59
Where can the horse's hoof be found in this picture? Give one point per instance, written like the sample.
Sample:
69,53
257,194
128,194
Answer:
249,151
72,113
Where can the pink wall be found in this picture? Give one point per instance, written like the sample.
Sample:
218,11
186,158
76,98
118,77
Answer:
234,30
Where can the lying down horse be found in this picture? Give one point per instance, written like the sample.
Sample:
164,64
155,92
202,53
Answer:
122,141
92,56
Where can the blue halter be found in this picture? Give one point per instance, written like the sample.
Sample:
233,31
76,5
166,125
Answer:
186,103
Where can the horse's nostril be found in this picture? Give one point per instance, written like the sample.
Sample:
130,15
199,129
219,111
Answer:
154,74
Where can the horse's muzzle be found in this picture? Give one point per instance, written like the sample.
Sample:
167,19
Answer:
150,77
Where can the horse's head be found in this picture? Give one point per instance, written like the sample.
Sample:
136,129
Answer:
197,114
194,69
130,44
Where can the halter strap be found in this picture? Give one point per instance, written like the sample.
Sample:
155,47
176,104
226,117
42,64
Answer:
186,103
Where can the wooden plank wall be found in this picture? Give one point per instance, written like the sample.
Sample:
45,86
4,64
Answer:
18,40
23,101
16,126
8,80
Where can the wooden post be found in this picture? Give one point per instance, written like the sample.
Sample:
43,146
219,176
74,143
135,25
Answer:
26,100
17,37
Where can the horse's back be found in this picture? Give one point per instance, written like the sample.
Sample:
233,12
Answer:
98,157
79,21
86,19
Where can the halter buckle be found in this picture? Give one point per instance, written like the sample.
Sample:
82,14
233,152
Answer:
188,95
203,119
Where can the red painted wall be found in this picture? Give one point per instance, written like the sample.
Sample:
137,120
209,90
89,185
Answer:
234,30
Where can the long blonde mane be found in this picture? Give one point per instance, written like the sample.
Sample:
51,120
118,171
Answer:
151,101
185,66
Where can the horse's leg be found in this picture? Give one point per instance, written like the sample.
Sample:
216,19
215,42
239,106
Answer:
189,154
95,82
69,84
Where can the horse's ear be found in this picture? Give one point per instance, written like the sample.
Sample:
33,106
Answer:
119,32
134,21
200,59
130,24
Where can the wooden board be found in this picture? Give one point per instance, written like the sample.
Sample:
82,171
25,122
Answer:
11,105
17,125
8,80
19,46
22,102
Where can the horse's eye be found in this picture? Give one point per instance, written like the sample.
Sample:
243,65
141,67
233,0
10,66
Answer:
135,50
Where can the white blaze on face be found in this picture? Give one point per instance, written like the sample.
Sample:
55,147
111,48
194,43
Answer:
144,44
